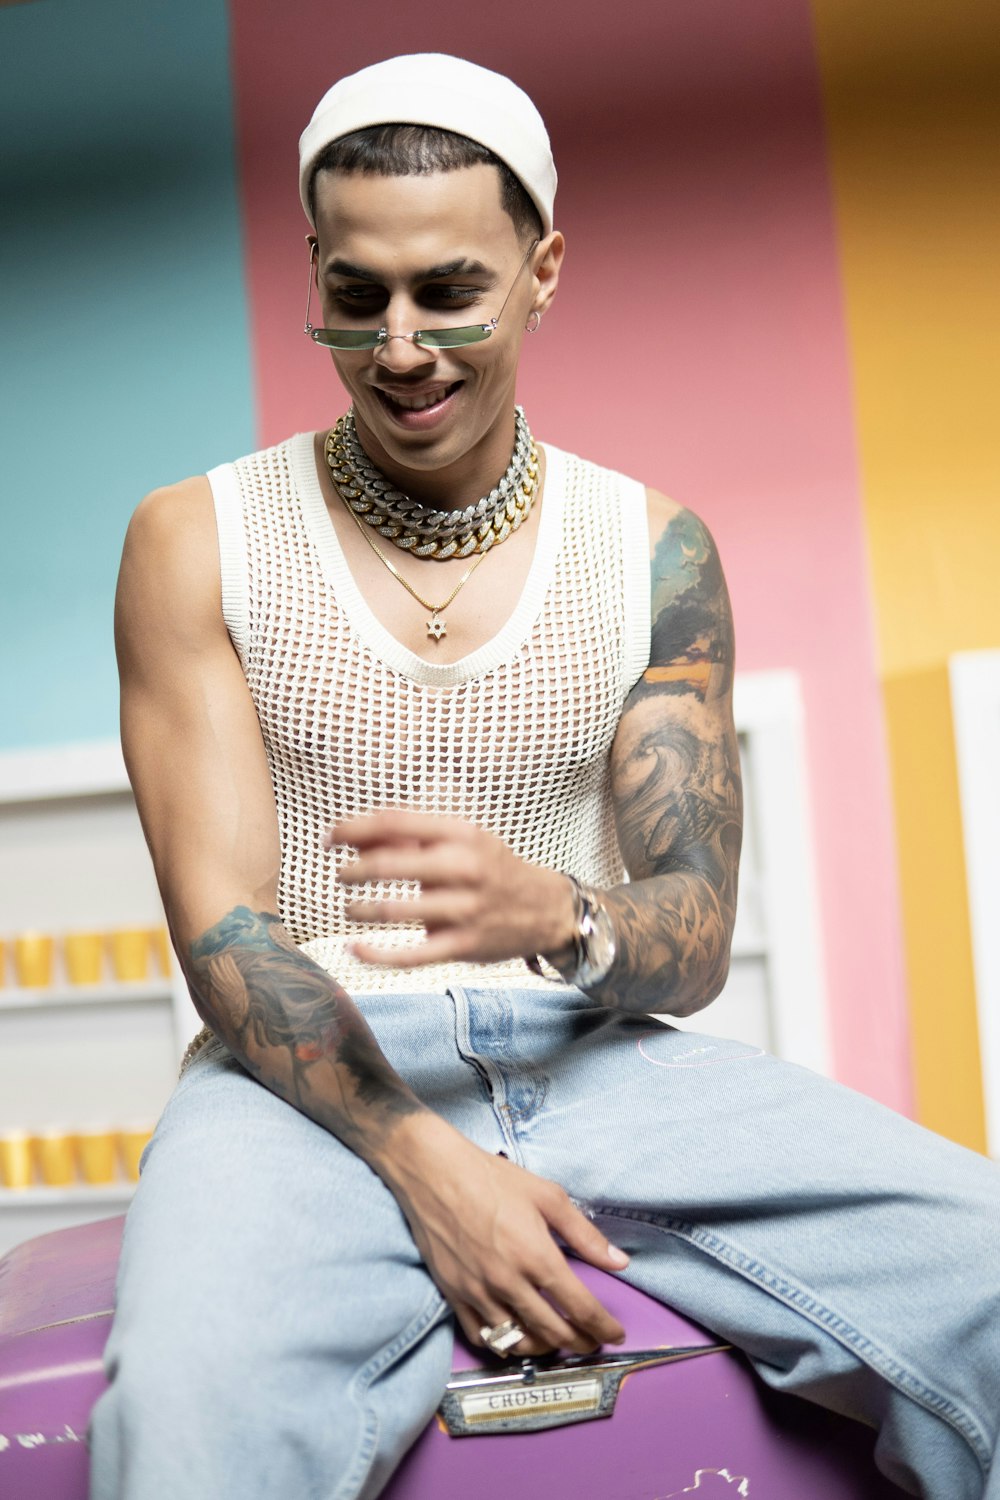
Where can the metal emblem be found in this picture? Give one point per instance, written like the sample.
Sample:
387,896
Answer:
548,1393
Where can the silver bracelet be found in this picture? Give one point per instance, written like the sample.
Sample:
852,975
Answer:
594,945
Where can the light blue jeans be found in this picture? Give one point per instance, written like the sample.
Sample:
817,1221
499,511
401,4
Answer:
278,1336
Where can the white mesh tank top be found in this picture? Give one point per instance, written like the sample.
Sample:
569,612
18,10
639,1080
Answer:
515,737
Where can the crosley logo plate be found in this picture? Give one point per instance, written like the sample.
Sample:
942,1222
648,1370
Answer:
568,1397
547,1393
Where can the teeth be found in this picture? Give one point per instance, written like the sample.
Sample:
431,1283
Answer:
420,403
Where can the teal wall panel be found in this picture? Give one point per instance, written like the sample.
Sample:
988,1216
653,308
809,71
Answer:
125,350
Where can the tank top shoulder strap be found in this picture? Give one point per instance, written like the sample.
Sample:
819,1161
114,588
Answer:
227,495
635,566
594,498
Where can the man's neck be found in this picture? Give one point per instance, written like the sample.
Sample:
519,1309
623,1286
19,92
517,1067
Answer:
447,485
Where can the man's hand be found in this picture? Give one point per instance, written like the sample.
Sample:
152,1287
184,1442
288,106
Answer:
485,1227
478,901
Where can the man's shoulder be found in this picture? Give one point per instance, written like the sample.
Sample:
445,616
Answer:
172,507
661,509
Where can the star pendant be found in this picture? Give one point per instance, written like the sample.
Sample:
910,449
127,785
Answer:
436,626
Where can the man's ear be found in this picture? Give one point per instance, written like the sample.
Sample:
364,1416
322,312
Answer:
548,259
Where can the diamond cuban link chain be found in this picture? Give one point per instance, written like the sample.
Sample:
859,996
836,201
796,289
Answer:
438,534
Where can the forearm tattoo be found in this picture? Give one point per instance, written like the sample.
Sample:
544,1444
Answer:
676,789
295,1028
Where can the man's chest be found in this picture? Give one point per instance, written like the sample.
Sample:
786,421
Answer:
439,611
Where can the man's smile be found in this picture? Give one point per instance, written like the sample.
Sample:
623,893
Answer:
412,407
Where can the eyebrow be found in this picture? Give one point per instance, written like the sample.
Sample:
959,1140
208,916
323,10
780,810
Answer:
460,267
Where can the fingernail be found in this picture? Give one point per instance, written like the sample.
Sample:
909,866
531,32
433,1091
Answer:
617,1256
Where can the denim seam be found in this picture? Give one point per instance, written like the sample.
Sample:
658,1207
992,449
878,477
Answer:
823,1317
365,1378
493,1077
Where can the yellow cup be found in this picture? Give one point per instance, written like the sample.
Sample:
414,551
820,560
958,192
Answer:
3,963
17,1168
83,953
34,953
159,941
131,1144
97,1156
130,952
55,1157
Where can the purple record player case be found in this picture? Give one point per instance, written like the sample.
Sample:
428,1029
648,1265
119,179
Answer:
674,1414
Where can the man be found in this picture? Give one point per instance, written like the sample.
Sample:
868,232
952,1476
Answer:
399,715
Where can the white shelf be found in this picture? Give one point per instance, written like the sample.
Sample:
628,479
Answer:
107,993
61,1197
748,948
73,858
83,770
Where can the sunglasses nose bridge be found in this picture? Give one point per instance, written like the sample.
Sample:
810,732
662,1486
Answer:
401,351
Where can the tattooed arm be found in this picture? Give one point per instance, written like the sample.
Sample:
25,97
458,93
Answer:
676,788
294,1027
196,759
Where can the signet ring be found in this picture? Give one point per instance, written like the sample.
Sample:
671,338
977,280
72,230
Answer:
502,1336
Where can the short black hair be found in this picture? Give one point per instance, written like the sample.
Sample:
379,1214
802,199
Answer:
400,150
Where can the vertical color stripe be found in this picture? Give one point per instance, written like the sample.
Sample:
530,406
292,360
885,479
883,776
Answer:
935,908
911,90
125,359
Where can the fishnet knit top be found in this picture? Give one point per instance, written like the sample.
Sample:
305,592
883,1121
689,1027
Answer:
515,736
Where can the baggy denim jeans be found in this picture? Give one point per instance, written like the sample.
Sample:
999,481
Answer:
277,1334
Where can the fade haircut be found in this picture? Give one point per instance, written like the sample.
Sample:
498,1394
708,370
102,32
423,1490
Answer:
397,150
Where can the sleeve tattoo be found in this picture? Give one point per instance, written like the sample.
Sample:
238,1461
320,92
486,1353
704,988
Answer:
294,1027
676,789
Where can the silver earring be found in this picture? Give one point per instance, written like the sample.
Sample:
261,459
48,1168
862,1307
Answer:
533,322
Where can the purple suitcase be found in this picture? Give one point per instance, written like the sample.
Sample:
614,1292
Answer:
675,1414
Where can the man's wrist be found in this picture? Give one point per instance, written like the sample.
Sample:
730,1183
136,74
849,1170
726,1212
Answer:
413,1151
587,958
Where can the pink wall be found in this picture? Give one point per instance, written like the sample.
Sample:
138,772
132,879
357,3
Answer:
698,343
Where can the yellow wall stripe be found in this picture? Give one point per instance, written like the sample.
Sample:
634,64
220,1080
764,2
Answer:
940,975
910,90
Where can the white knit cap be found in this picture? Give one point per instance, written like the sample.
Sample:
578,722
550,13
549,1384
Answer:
431,88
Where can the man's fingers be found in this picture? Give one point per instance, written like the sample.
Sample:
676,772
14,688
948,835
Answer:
590,1320
457,911
443,865
473,1320
551,1324
561,1315
470,1322
434,950
583,1237
390,826
544,1329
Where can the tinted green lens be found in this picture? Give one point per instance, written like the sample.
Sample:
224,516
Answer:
452,338
346,338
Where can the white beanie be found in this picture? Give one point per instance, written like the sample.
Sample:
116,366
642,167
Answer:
431,88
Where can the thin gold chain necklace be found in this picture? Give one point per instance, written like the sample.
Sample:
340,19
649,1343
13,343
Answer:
437,625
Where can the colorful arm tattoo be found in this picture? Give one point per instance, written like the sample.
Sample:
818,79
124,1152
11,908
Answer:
676,790
295,1028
